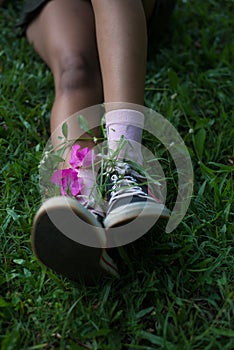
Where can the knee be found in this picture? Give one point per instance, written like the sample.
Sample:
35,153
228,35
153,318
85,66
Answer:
77,72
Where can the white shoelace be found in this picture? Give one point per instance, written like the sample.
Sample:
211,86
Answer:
124,187
125,184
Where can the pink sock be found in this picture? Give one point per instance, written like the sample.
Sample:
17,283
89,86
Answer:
128,124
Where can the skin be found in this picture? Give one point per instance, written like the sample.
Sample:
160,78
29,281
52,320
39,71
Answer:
96,51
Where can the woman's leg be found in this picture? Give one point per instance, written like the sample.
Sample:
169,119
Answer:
121,29
122,44
64,36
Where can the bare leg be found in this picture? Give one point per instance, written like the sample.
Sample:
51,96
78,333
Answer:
64,36
122,44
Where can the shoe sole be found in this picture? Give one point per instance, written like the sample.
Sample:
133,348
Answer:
55,240
141,211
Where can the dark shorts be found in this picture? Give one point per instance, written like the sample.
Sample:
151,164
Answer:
156,25
30,11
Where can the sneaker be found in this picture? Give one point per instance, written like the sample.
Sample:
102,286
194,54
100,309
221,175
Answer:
57,227
128,197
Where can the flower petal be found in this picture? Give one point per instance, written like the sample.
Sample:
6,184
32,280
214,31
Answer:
80,157
76,186
74,160
56,177
65,178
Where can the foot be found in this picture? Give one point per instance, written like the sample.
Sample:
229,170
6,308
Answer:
128,197
67,238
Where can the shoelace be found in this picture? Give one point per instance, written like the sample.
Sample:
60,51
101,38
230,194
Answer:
127,185
125,182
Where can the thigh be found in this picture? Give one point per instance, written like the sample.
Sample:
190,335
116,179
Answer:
62,30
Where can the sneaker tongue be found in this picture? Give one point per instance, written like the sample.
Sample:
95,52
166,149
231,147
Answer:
122,168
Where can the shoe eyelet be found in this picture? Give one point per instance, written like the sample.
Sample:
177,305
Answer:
114,177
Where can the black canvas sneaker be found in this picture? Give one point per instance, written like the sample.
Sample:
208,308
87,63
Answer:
67,237
128,197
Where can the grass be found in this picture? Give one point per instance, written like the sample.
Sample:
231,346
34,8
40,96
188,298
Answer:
176,290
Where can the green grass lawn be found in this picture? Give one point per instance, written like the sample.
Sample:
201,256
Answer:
177,290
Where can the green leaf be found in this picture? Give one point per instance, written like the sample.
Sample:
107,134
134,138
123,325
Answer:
84,125
201,189
173,79
200,141
207,170
19,261
156,340
144,312
12,214
65,130
3,303
56,158
224,332
228,168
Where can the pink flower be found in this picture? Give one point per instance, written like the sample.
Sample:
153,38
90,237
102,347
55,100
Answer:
67,179
80,158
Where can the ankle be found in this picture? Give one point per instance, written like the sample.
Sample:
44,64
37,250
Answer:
124,134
